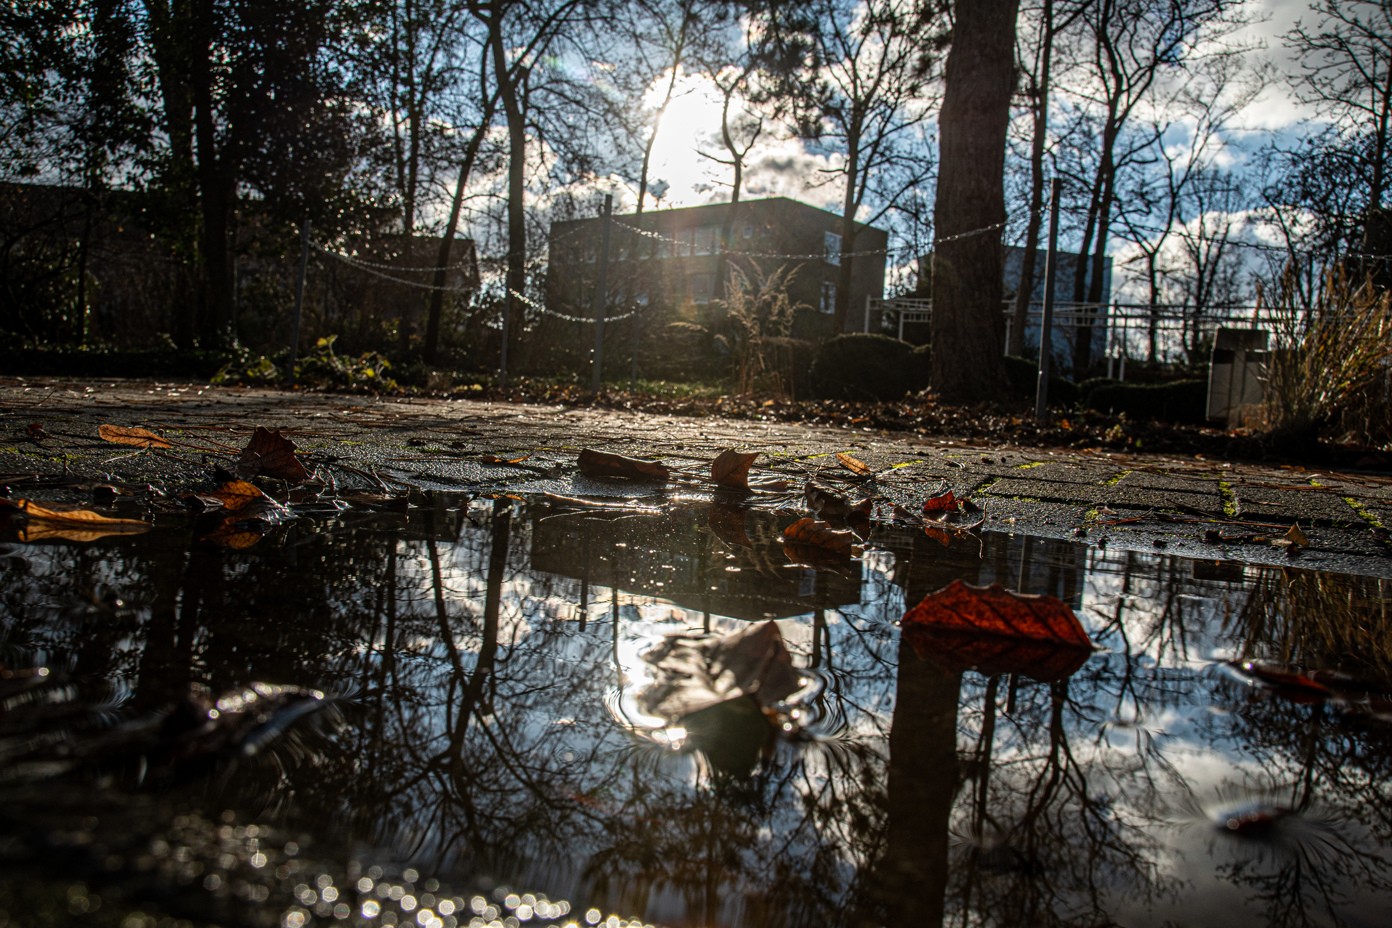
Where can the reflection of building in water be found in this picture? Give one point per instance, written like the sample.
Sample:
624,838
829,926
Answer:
1020,563
674,556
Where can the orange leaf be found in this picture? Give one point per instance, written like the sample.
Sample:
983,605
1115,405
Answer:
941,502
140,438
494,459
604,464
728,524
731,469
235,494
815,534
273,455
1281,681
990,630
859,468
73,525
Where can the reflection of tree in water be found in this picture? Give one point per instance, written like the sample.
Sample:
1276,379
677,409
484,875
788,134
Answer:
479,739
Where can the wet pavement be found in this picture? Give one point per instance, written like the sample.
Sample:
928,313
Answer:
1200,508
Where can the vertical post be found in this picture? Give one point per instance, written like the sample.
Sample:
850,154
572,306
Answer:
1046,325
867,314
508,299
601,293
901,323
633,353
299,298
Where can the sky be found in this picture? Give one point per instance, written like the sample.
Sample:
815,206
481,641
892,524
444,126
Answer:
684,176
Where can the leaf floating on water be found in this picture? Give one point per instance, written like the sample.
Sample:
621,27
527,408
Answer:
824,501
1281,681
271,454
691,674
124,435
73,525
234,494
603,464
815,544
728,524
991,630
731,468
859,468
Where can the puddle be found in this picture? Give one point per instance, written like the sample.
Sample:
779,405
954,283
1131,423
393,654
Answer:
446,716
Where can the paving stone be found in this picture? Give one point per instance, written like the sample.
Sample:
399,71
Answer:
1138,490
1078,493
1262,504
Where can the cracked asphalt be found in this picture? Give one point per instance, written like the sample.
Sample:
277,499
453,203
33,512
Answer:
1141,502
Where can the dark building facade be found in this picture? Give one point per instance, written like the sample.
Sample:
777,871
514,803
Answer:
680,262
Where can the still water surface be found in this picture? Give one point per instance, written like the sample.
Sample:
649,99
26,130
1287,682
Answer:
479,757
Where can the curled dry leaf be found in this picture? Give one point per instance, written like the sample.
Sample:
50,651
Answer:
73,525
728,524
124,435
859,468
271,454
495,459
991,630
603,464
941,502
824,501
815,544
731,468
691,674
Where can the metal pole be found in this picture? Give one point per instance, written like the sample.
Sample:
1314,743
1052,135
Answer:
633,354
299,298
601,293
1046,325
867,314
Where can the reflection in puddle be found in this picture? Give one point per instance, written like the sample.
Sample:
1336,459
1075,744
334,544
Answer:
498,712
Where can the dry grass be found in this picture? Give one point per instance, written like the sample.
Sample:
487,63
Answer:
762,313
1329,369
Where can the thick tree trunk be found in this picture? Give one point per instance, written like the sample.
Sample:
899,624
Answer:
849,204
968,326
1024,295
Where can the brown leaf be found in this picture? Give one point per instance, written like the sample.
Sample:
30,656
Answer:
941,502
731,469
201,502
824,501
603,464
271,454
991,630
234,494
859,468
73,525
123,435
728,524
1281,681
494,459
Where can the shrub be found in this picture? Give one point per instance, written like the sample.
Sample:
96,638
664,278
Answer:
1024,381
1183,401
863,366
761,313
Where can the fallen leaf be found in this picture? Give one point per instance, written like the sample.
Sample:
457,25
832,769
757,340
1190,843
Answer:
821,535
695,673
859,468
72,525
36,432
731,469
1295,538
200,502
903,515
941,502
124,435
603,464
494,459
234,494
271,454
727,522
1281,681
234,533
822,500
938,535
990,630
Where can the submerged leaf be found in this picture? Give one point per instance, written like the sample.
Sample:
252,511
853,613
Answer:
603,464
731,468
124,435
271,454
991,630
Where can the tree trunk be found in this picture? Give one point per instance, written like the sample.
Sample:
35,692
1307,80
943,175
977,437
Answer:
849,203
1024,295
677,55
437,296
516,275
968,327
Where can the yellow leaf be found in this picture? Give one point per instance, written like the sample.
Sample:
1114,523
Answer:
859,468
74,525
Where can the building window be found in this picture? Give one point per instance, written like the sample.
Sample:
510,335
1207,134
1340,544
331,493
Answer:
700,287
706,237
828,296
831,245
